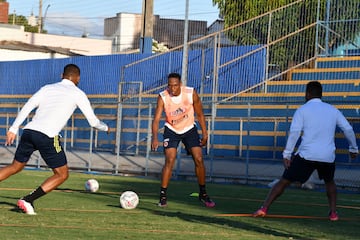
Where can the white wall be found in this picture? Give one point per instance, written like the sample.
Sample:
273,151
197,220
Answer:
13,55
84,46
130,28
11,33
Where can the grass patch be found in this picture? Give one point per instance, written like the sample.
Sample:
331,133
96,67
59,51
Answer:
71,213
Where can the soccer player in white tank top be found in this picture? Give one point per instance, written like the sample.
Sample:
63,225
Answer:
180,104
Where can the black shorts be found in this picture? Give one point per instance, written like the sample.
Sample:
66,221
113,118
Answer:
50,148
190,139
301,169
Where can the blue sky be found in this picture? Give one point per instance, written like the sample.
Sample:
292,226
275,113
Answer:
70,17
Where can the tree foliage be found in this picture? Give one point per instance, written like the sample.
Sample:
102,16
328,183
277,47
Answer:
286,21
22,21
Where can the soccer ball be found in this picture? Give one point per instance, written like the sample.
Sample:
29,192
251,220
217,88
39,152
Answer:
129,200
91,185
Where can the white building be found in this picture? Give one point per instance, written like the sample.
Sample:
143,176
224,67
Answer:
69,45
18,51
125,31
32,20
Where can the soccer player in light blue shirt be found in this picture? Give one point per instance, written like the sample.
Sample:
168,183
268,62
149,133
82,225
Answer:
315,122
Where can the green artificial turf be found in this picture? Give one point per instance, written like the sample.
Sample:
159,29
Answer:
72,213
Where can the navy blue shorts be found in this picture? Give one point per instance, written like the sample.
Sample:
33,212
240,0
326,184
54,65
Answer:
50,148
190,139
301,169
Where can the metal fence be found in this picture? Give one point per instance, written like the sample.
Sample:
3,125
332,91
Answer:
237,71
245,147
251,78
246,56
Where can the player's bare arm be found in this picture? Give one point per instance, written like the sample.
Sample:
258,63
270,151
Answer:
353,155
155,124
200,117
10,138
286,163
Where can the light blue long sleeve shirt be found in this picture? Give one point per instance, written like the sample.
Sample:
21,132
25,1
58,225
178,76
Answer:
316,122
55,104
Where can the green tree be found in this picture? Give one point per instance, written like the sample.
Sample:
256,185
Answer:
289,20
22,21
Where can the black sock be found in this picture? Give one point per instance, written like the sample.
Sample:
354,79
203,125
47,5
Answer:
202,190
37,193
163,192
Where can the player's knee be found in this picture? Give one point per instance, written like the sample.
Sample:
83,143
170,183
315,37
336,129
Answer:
15,167
199,162
62,175
65,176
169,164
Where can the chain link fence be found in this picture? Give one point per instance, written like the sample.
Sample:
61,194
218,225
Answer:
251,78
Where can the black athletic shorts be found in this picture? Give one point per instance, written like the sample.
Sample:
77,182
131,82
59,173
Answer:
50,148
301,169
190,139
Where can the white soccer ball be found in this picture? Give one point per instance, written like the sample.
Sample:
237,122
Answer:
129,200
91,185
308,185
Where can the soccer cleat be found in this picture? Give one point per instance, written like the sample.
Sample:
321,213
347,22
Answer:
26,207
205,199
162,202
333,216
261,212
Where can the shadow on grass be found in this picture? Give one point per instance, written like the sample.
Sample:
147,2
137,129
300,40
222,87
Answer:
14,207
226,222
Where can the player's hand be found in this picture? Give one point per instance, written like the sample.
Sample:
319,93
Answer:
287,163
204,140
353,155
108,131
154,144
10,138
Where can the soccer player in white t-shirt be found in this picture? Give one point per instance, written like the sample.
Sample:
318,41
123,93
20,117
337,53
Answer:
315,122
54,103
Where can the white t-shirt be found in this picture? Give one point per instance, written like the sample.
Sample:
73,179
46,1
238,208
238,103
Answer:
55,104
317,122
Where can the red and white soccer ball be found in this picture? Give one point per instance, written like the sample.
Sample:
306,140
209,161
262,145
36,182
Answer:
91,185
129,200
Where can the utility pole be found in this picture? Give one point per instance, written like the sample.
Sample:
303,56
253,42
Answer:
147,27
14,16
40,16
184,71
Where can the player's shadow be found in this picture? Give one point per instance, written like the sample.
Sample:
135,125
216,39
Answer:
13,206
8,203
71,190
109,195
84,192
226,222
112,205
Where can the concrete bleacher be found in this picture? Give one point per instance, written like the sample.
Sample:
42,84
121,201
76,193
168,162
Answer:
326,74
281,98
341,82
338,62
